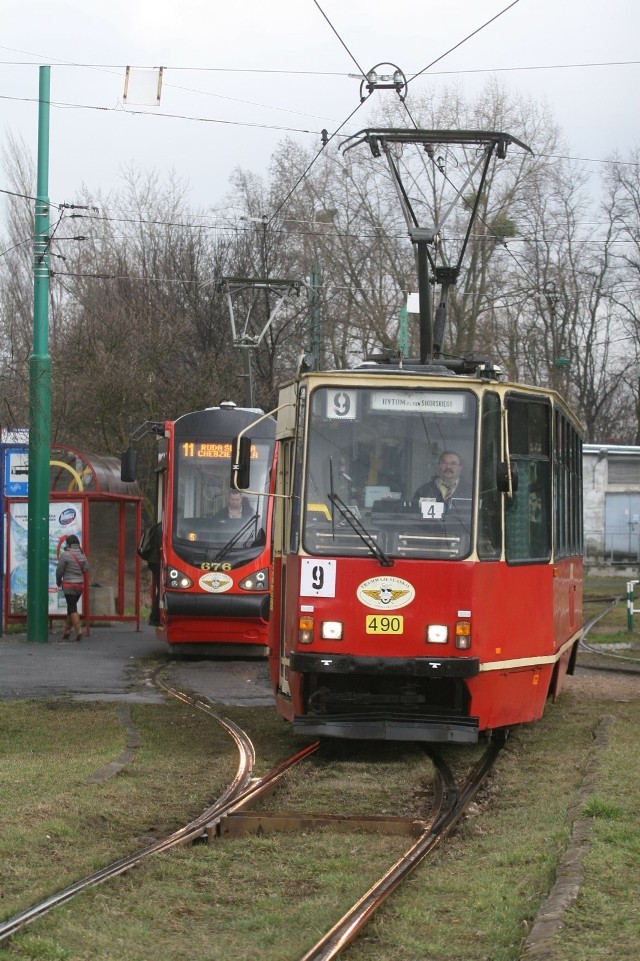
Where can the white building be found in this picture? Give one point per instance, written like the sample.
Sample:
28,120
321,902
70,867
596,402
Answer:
611,485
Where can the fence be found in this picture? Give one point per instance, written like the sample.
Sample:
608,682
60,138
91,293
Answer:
615,547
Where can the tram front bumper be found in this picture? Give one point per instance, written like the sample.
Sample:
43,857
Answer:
217,605
380,698
431,667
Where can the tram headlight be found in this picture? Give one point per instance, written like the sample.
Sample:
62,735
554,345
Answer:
305,630
437,634
463,635
177,580
259,581
331,630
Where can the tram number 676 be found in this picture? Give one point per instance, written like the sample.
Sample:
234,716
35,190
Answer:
383,624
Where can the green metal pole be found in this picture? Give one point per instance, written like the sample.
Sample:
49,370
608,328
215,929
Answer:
630,607
403,332
315,338
40,394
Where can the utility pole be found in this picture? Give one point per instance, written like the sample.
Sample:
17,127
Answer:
315,340
40,393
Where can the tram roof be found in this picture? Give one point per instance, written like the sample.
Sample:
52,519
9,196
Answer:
438,374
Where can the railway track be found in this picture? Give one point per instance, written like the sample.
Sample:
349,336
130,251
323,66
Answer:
450,803
239,792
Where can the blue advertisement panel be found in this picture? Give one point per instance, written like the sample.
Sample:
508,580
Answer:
65,517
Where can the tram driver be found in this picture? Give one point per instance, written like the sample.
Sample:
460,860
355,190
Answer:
237,509
446,485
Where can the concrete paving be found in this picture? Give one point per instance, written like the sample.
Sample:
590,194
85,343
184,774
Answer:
108,665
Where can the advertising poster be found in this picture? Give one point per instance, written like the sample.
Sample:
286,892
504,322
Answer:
65,517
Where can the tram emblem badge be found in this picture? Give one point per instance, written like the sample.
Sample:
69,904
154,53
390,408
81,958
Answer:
215,583
385,593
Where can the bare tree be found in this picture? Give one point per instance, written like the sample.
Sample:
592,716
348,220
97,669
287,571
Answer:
148,335
622,205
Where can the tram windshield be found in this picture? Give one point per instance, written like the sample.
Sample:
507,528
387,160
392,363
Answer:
390,472
210,520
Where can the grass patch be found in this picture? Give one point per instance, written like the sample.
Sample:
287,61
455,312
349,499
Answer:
598,808
55,828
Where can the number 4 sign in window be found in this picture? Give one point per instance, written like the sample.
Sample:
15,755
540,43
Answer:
317,578
431,509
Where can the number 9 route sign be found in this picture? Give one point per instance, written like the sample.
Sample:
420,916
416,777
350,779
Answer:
317,578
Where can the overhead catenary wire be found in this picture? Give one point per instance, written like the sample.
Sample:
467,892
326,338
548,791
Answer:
459,44
200,119
328,230
310,165
338,36
325,141
326,288
200,68
128,111
155,113
21,243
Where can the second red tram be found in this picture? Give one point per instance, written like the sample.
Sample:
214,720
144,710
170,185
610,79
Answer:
405,610
214,567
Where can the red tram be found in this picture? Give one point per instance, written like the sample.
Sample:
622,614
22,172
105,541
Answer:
427,569
213,574
401,614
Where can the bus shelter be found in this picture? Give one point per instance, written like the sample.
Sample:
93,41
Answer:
86,498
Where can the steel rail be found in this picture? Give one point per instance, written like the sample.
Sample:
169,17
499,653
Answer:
612,601
456,802
597,649
231,799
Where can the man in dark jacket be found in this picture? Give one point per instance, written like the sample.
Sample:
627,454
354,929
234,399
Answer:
447,483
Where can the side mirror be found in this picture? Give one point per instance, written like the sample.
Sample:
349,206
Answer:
128,464
503,477
241,463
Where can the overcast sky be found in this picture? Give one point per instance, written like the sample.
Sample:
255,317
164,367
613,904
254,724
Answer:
241,75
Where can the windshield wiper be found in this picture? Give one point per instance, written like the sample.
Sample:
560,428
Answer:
231,543
360,530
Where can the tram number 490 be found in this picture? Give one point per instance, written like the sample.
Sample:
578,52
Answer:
383,624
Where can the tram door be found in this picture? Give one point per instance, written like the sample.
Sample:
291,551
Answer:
622,526
286,532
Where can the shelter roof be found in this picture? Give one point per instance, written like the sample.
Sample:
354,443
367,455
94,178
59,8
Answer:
76,471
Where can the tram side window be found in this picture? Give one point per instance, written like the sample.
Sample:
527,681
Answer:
567,470
560,499
489,520
528,530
